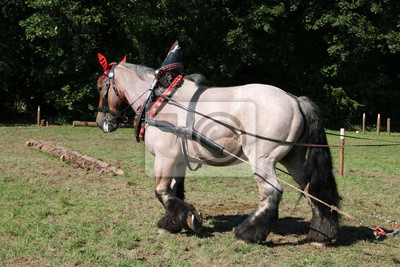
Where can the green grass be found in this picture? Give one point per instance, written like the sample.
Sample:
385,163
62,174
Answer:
53,213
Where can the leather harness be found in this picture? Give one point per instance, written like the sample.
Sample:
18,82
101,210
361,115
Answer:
110,81
188,132
149,108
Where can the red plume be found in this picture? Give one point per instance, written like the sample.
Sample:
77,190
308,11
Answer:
103,61
124,60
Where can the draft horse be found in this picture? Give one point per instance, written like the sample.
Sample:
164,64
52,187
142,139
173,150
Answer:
263,110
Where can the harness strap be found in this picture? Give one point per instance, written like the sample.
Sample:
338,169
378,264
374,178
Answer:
184,148
140,127
192,106
190,124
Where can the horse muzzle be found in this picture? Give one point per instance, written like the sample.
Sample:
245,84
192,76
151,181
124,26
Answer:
106,123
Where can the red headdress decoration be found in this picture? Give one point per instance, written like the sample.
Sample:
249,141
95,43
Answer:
105,65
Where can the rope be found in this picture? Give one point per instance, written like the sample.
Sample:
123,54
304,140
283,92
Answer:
377,231
392,223
130,105
363,138
394,143
332,207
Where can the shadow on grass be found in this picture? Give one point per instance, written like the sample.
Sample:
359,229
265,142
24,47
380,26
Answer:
287,226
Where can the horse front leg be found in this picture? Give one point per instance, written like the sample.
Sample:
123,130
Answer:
179,214
257,226
178,183
178,188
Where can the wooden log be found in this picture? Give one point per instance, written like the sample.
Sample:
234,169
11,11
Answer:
388,126
80,160
84,123
94,124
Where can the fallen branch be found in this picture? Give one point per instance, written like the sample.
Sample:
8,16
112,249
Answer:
81,160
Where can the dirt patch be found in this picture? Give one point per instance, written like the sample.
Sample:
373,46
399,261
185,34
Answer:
369,175
23,261
361,174
213,209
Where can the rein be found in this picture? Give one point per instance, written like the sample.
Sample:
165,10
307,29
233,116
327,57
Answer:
284,142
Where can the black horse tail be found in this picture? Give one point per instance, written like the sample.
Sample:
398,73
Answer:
318,172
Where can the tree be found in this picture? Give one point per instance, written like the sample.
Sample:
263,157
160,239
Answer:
343,54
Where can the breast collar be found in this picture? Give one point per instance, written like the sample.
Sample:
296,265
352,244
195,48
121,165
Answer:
151,109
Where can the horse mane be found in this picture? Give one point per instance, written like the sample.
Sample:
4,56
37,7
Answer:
197,78
141,70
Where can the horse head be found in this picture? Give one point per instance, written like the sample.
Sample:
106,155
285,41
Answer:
111,101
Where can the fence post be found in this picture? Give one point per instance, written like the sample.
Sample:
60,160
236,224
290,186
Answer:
363,123
388,126
378,125
38,116
341,153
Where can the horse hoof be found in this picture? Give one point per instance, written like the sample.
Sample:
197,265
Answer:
195,221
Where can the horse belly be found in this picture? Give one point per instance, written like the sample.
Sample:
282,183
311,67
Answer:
229,139
229,142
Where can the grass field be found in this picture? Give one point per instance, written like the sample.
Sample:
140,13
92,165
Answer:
52,213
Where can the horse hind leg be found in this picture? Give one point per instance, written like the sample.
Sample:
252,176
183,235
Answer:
319,181
324,225
257,226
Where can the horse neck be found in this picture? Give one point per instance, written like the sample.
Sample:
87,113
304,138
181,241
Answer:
132,86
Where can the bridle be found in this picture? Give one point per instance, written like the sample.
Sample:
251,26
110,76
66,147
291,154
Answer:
104,108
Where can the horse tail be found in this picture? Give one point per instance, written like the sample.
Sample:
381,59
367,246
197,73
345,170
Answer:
318,172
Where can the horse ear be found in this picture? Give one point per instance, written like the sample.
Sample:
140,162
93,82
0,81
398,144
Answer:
103,61
124,60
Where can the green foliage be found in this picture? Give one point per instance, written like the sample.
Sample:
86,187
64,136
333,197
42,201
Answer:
342,54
